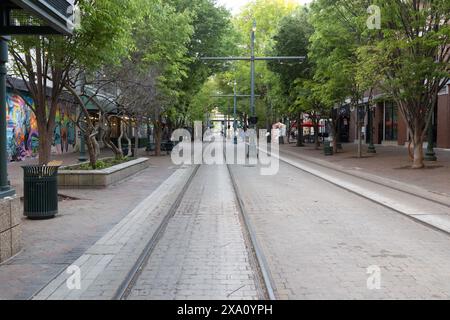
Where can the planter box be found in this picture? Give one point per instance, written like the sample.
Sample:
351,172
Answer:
10,227
91,179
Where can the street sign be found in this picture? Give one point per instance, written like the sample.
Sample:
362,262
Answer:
37,17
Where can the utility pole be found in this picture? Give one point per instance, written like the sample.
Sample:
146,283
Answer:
235,96
252,59
430,154
370,115
235,113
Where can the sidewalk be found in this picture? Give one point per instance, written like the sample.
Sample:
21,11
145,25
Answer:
390,162
15,172
50,246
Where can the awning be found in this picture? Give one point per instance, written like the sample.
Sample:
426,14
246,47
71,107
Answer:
103,99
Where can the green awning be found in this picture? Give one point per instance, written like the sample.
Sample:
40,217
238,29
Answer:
105,100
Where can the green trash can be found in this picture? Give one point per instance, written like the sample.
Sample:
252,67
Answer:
40,191
327,148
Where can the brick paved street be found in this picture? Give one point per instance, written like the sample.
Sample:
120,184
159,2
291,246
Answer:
391,162
319,241
186,116
49,246
202,254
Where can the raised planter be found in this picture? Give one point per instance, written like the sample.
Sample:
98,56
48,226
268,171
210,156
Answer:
92,179
10,227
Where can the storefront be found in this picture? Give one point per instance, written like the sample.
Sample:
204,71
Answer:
390,122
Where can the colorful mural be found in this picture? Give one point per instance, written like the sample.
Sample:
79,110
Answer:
64,139
22,131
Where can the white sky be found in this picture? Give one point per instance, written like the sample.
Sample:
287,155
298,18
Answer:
235,5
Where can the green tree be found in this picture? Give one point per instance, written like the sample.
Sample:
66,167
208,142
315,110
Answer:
412,54
162,52
103,38
292,39
338,34
212,36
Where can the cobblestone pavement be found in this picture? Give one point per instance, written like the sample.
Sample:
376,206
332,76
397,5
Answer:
49,246
390,162
203,253
319,241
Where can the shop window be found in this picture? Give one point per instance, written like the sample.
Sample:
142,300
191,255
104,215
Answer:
390,122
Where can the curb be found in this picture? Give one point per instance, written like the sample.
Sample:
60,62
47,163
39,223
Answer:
392,184
405,210
106,263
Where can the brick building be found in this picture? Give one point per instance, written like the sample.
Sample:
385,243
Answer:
391,129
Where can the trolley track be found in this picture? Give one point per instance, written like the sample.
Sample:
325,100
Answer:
124,290
256,258
258,254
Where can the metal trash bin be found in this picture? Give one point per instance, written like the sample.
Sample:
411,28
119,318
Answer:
40,191
327,148
167,146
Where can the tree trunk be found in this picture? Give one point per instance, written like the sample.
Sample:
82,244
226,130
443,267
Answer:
300,130
335,130
91,151
316,133
130,146
158,134
358,127
418,162
136,140
107,141
45,145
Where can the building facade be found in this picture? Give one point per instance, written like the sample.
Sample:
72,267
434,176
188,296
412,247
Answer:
22,130
389,127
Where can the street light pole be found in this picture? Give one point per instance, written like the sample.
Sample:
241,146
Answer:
235,113
371,148
252,152
235,96
252,73
252,146
228,120
430,154
5,188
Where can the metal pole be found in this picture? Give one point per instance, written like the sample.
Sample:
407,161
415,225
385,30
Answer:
235,114
430,154
252,153
371,148
228,117
5,188
252,75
